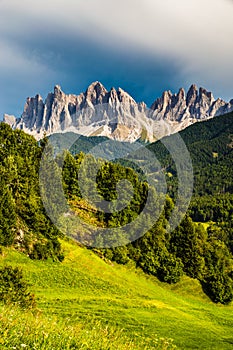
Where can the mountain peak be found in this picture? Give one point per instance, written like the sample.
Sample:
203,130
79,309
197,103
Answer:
192,95
96,86
57,88
58,93
95,111
193,87
181,93
125,97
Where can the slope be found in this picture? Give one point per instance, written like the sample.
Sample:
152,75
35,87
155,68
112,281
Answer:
210,146
84,288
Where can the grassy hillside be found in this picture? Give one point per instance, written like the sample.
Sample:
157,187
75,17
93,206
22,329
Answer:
84,290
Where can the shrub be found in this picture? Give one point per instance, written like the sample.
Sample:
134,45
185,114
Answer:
14,289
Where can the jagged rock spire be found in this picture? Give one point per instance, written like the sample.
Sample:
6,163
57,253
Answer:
95,111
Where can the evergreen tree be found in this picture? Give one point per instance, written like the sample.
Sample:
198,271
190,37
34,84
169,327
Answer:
185,245
7,215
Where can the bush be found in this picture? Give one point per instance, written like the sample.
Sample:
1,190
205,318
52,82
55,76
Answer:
170,270
46,250
219,289
14,289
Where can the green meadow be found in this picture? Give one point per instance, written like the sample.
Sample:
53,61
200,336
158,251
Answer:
88,303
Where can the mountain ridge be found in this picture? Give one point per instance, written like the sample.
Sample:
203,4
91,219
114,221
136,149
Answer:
115,114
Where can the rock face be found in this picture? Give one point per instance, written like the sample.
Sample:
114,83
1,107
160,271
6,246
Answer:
196,106
116,114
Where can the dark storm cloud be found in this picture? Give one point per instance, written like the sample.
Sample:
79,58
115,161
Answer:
143,46
44,58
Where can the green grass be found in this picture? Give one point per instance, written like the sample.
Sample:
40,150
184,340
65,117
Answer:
32,331
134,308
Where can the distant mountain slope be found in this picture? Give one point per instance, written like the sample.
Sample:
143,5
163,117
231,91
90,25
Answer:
75,143
115,114
210,144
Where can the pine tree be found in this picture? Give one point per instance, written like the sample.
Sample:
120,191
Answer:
7,215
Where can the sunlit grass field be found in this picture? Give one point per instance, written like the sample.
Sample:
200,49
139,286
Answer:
87,303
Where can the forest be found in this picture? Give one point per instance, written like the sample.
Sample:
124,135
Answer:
201,247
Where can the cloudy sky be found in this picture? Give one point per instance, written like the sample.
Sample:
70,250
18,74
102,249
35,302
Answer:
143,46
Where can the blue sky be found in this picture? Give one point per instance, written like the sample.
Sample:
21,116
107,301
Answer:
142,46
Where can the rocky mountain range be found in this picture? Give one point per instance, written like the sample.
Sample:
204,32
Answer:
115,114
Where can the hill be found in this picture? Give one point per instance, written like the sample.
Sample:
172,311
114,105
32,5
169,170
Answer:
134,234
72,283
210,146
84,290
